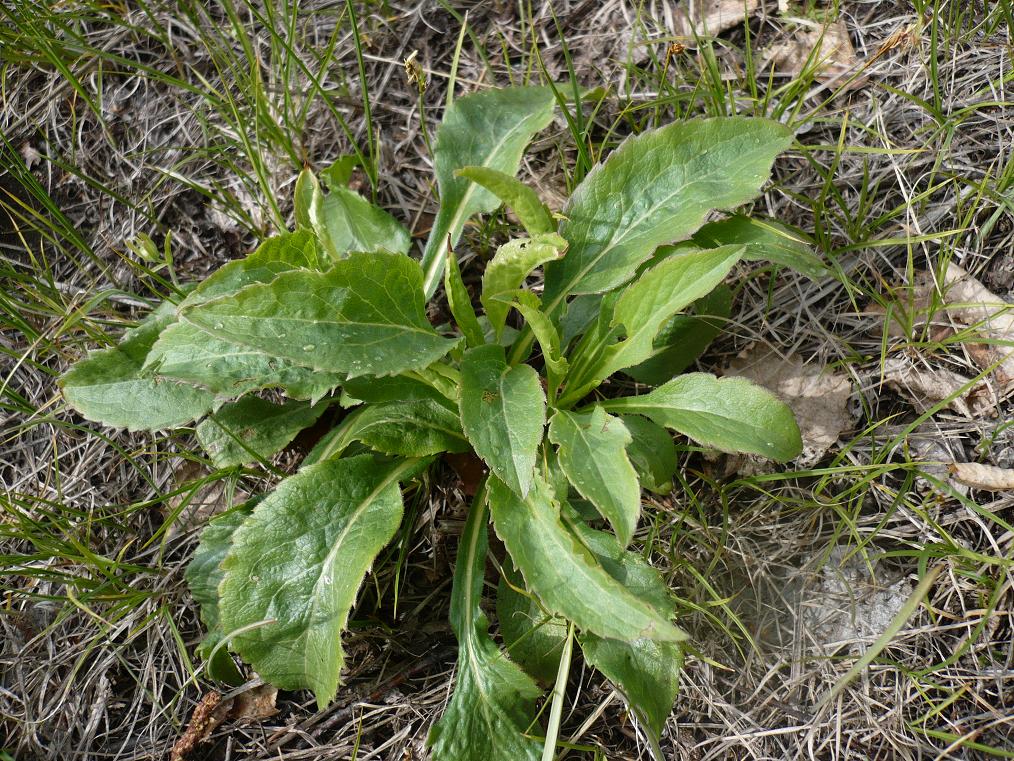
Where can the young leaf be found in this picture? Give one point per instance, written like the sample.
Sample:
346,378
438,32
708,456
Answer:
493,700
592,452
347,222
764,240
508,269
489,129
185,352
729,414
565,575
684,338
344,221
531,212
412,429
296,564
364,316
548,337
108,385
532,637
643,306
655,188
461,304
253,429
652,453
503,412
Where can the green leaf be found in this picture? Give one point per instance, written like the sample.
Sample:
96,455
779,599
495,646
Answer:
646,671
365,316
109,387
493,700
567,578
281,253
342,219
644,306
488,129
652,453
338,173
656,188
729,414
531,212
347,222
252,429
509,267
296,565
203,574
532,637
395,388
684,338
548,337
592,450
503,412
185,352
461,303
413,429
764,240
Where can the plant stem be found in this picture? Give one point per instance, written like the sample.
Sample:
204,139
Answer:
559,692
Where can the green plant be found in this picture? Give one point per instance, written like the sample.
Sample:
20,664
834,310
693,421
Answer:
339,304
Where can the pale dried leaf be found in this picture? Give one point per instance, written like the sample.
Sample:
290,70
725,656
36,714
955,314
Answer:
818,397
985,477
970,303
927,387
834,57
711,17
195,507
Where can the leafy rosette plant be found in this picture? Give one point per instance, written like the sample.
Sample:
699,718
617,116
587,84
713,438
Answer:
335,313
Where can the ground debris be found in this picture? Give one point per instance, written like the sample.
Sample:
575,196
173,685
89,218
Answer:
249,705
826,48
713,16
927,387
818,396
985,477
970,303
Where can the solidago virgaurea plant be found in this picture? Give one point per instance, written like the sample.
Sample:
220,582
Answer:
334,313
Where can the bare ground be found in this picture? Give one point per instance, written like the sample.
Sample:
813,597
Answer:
94,656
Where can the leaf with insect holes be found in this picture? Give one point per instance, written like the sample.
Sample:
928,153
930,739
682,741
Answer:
108,386
684,338
592,451
493,700
503,412
728,414
531,212
364,316
658,187
509,267
344,221
644,306
253,429
565,576
296,565
488,129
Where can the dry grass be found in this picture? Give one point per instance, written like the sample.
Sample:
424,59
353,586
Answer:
902,173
